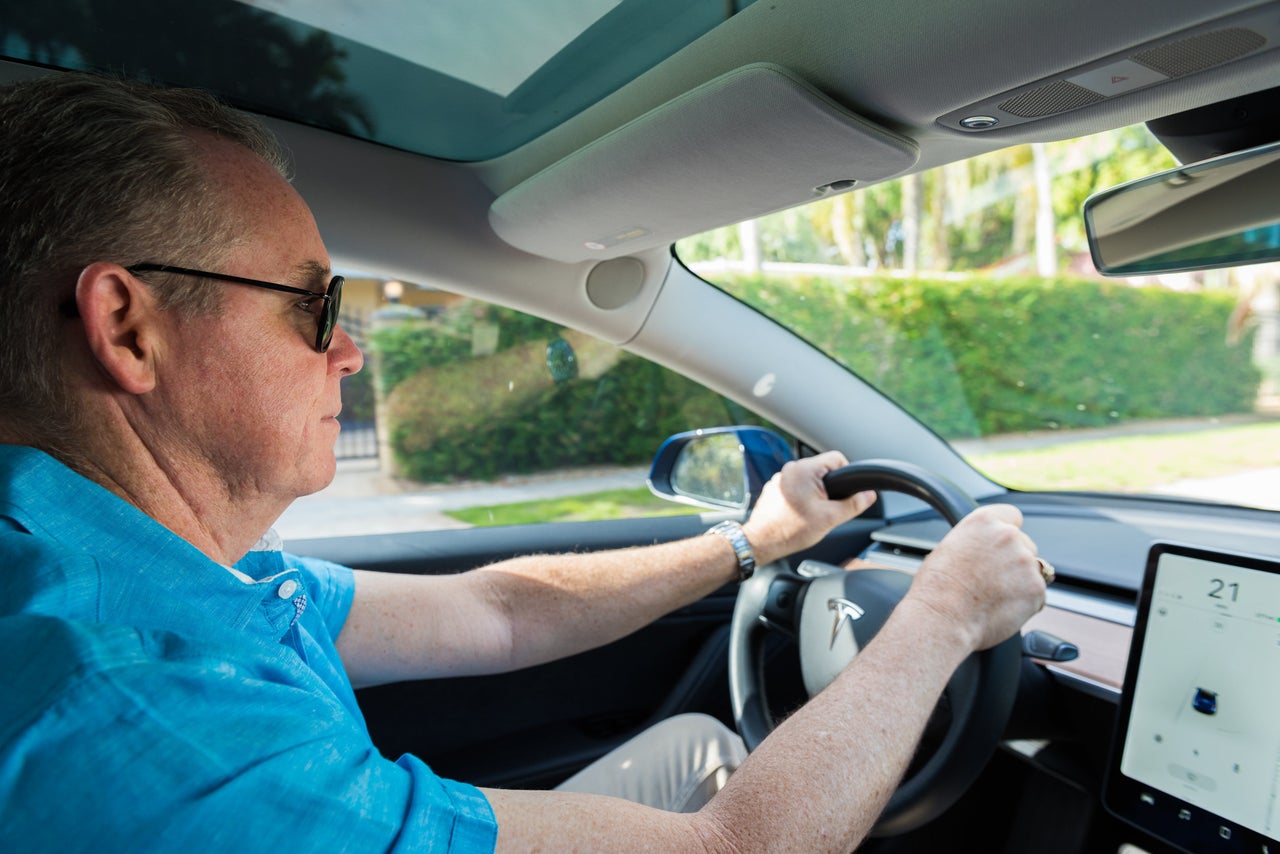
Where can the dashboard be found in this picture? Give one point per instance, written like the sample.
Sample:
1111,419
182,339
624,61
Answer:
1175,610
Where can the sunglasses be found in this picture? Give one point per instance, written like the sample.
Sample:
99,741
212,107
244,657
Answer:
326,318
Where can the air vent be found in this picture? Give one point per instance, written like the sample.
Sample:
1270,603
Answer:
1148,66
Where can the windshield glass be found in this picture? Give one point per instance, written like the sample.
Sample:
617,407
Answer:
967,295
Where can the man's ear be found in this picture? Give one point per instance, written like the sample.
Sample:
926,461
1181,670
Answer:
121,323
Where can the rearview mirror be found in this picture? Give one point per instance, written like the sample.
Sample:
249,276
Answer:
722,468
1218,213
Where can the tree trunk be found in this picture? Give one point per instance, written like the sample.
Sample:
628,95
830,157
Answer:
937,254
749,237
911,223
1046,238
846,231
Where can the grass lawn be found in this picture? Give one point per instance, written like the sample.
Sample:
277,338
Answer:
610,504
1115,464
1136,463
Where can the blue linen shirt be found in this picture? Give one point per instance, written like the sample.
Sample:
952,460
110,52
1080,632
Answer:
152,701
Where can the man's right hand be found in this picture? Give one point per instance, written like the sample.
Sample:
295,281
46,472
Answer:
983,576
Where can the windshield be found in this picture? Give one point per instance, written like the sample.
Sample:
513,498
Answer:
967,295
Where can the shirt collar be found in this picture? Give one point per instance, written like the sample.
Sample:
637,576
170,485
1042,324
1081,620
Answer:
138,560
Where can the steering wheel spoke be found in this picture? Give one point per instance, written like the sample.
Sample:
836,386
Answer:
780,608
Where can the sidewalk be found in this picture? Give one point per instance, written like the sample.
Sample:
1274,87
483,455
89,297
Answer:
362,500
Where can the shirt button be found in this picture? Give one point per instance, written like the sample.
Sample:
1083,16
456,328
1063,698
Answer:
287,589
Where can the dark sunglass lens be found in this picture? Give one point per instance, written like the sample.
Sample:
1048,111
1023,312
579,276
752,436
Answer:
329,319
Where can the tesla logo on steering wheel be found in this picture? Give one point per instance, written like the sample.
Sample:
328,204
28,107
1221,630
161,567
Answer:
846,611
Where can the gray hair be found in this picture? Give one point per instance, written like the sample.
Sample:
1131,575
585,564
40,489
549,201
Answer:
98,169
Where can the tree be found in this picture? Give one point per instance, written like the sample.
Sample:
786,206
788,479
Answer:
1046,245
749,240
911,223
294,66
847,226
1003,209
935,240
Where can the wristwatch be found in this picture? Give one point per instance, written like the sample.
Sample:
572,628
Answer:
733,533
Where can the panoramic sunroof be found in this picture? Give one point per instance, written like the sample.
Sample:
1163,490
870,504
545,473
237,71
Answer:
492,44
456,79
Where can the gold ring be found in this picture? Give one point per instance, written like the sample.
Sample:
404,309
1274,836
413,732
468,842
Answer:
1047,571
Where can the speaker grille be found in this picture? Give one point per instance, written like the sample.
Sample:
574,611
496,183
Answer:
1057,97
1198,53
1122,75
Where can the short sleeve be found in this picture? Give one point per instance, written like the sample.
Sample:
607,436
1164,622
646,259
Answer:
130,740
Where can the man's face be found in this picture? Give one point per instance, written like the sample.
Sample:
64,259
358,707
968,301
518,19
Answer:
245,390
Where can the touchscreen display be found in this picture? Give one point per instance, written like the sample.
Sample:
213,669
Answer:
1196,759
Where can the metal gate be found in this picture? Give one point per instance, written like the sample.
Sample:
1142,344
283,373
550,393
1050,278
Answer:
359,438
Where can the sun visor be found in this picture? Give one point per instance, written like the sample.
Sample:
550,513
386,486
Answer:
750,142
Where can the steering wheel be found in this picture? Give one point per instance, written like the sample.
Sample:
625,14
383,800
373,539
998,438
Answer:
832,613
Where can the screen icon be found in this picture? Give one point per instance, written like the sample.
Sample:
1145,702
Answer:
1205,701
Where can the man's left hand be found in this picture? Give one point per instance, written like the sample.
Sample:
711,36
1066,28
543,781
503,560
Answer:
794,510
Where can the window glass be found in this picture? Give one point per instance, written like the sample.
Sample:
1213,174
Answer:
502,72
967,295
472,414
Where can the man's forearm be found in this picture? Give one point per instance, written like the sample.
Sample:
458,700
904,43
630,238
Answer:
818,783
832,766
522,611
558,605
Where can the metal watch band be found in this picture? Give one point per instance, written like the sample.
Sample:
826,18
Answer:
736,537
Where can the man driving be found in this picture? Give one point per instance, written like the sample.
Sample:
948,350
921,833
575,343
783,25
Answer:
169,384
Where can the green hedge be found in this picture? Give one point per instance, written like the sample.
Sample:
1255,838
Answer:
961,356
453,416
965,356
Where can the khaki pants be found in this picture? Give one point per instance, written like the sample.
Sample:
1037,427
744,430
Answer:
676,765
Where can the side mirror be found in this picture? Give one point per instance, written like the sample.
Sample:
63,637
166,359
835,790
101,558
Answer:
721,468
1216,213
